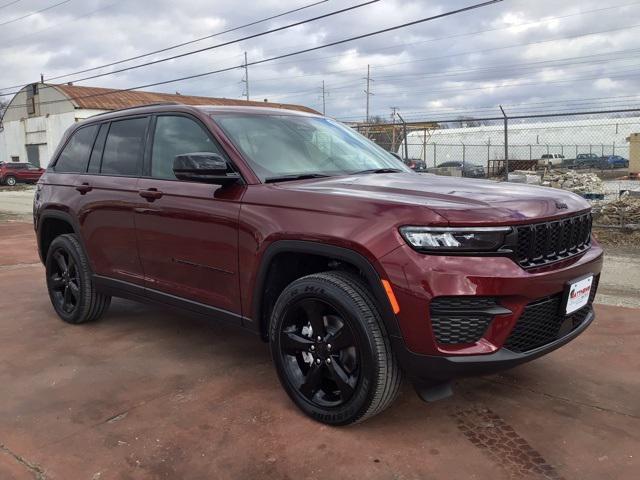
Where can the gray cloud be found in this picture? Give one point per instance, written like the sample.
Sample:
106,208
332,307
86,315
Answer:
425,70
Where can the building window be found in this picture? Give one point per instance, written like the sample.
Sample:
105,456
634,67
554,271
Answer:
15,159
32,91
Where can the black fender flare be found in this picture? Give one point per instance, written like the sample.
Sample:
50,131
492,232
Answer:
58,215
330,251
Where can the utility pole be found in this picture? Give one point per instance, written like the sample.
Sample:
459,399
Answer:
368,90
245,80
324,104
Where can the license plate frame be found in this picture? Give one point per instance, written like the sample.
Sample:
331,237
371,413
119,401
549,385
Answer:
571,303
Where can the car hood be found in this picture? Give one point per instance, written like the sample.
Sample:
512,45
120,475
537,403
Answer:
459,200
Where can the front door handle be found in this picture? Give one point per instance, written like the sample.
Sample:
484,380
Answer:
150,194
84,188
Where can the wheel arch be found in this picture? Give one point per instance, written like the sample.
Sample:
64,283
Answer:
330,255
51,224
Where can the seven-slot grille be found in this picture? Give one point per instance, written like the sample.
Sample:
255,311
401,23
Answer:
543,243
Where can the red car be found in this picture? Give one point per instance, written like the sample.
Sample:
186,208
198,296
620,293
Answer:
13,172
355,269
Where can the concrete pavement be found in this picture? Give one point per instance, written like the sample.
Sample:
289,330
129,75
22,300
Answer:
147,393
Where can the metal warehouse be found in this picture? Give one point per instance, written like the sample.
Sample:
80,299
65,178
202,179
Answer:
38,115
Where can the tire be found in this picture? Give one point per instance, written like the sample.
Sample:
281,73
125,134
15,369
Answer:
71,289
355,378
10,181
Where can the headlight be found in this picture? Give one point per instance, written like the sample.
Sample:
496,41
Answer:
465,239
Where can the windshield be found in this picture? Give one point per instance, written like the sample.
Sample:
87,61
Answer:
290,145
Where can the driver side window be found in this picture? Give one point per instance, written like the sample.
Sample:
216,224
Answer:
177,135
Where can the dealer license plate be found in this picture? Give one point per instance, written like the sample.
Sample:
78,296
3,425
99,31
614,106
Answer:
578,295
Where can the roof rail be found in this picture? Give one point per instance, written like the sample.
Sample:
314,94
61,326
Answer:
138,106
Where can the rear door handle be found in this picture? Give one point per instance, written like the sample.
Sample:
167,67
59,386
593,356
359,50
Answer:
84,188
150,194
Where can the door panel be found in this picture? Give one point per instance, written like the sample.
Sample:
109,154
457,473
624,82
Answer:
188,241
188,231
107,221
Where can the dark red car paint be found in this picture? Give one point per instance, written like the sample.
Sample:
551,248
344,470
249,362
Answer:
206,243
20,172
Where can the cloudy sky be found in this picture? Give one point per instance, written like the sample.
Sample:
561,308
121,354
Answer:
531,56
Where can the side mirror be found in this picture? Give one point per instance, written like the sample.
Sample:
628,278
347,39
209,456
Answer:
203,167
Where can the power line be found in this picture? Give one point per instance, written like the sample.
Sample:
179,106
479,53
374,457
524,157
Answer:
212,47
34,13
84,15
178,45
9,4
463,35
291,54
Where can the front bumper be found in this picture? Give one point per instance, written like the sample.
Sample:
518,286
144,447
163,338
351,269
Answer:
432,368
417,279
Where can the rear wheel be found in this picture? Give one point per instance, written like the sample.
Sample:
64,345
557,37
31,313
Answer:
330,349
10,180
69,282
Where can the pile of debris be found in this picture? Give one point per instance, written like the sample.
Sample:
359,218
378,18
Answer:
573,181
624,212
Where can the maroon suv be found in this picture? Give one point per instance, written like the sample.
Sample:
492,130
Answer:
355,269
14,172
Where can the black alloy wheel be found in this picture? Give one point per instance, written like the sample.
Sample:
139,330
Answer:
330,348
319,352
64,281
70,283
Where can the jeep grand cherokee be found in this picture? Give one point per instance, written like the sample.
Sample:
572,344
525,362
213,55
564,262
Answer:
355,269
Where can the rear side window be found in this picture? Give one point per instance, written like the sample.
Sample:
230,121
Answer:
174,136
75,155
124,147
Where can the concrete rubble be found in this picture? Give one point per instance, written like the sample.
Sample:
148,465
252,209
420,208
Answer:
624,212
573,181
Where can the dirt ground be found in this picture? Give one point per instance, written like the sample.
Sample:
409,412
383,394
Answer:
147,393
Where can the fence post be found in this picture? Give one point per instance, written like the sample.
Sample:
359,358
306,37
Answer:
613,150
547,148
404,134
530,152
602,151
506,144
576,150
434,154
424,147
464,154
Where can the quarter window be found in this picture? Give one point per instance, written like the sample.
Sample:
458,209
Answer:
175,135
124,147
75,155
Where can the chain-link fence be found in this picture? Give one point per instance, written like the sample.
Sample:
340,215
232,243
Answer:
480,146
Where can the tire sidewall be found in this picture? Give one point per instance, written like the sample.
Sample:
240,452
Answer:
342,302
10,181
66,244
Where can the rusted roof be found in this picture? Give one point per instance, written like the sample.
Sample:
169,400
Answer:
114,99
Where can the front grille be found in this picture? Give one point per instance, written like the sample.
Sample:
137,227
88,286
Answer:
543,243
543,322
462,319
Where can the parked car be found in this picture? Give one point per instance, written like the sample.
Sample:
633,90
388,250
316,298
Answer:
416,164
356,270
613,161
551,159
586,160
469,170
14,172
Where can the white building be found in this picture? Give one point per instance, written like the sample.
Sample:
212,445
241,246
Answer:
38,115
527,141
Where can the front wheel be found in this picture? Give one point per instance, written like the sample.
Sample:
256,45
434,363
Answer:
10,181
330,349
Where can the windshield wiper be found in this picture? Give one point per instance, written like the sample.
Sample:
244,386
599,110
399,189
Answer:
378,170
299,176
